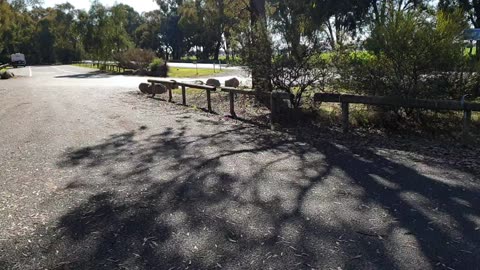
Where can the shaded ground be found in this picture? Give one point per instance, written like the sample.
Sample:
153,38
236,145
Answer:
141,184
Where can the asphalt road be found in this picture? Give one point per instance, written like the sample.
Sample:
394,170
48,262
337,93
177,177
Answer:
95,176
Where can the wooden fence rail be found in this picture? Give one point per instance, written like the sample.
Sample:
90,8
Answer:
399,102
102,66
436,105
231,97
172,84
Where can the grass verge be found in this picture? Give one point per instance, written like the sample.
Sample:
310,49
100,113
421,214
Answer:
174,72
189,91
191,72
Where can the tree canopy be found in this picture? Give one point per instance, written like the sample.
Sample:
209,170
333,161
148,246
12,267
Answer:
204,29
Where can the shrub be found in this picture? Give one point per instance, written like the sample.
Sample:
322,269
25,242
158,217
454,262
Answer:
411,55
135,58
297,75
158,68
156,64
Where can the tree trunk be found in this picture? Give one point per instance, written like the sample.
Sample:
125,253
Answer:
227,45
260,51
217,50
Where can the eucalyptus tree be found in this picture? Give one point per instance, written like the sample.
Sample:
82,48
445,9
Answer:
171,34
6,20
207,24
66,43
132,19
148,34
471,9
106,31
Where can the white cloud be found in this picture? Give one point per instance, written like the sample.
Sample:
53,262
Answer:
138,5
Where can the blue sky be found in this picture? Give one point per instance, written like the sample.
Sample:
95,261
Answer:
138,5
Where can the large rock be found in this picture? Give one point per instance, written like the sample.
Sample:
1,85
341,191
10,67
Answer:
144,88
156,89
6,75
233,82
213,82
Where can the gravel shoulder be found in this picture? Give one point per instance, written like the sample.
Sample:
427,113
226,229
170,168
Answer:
95,176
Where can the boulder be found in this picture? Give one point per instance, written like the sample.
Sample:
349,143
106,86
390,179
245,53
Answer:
157,89
144,88
213,82
6,75
233,82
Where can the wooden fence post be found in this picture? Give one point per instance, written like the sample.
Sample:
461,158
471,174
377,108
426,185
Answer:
231,96
273,108
209,101
184,96
345,116
467,118
170,96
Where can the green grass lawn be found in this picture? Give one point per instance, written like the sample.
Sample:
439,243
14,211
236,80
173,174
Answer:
175,72
188,91
191,72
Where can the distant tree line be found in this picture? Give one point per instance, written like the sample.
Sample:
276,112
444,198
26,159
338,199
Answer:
200,29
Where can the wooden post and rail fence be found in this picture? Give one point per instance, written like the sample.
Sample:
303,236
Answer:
102,66
344,100
398,102
169,85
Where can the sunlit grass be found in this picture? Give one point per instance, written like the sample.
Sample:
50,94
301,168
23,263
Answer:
188,91
191,72
173,72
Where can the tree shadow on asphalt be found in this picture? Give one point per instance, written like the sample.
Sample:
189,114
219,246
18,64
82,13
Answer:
246,198
89,75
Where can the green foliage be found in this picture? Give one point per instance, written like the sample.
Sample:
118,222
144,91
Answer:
158,68
147,35
156,64
413,55
62,33
298,74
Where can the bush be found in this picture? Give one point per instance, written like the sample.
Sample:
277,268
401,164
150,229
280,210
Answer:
411,55
297,75
135,58
156,64
158,68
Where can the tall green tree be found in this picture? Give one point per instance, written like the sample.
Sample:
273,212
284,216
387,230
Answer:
471,8
171,33
147,35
